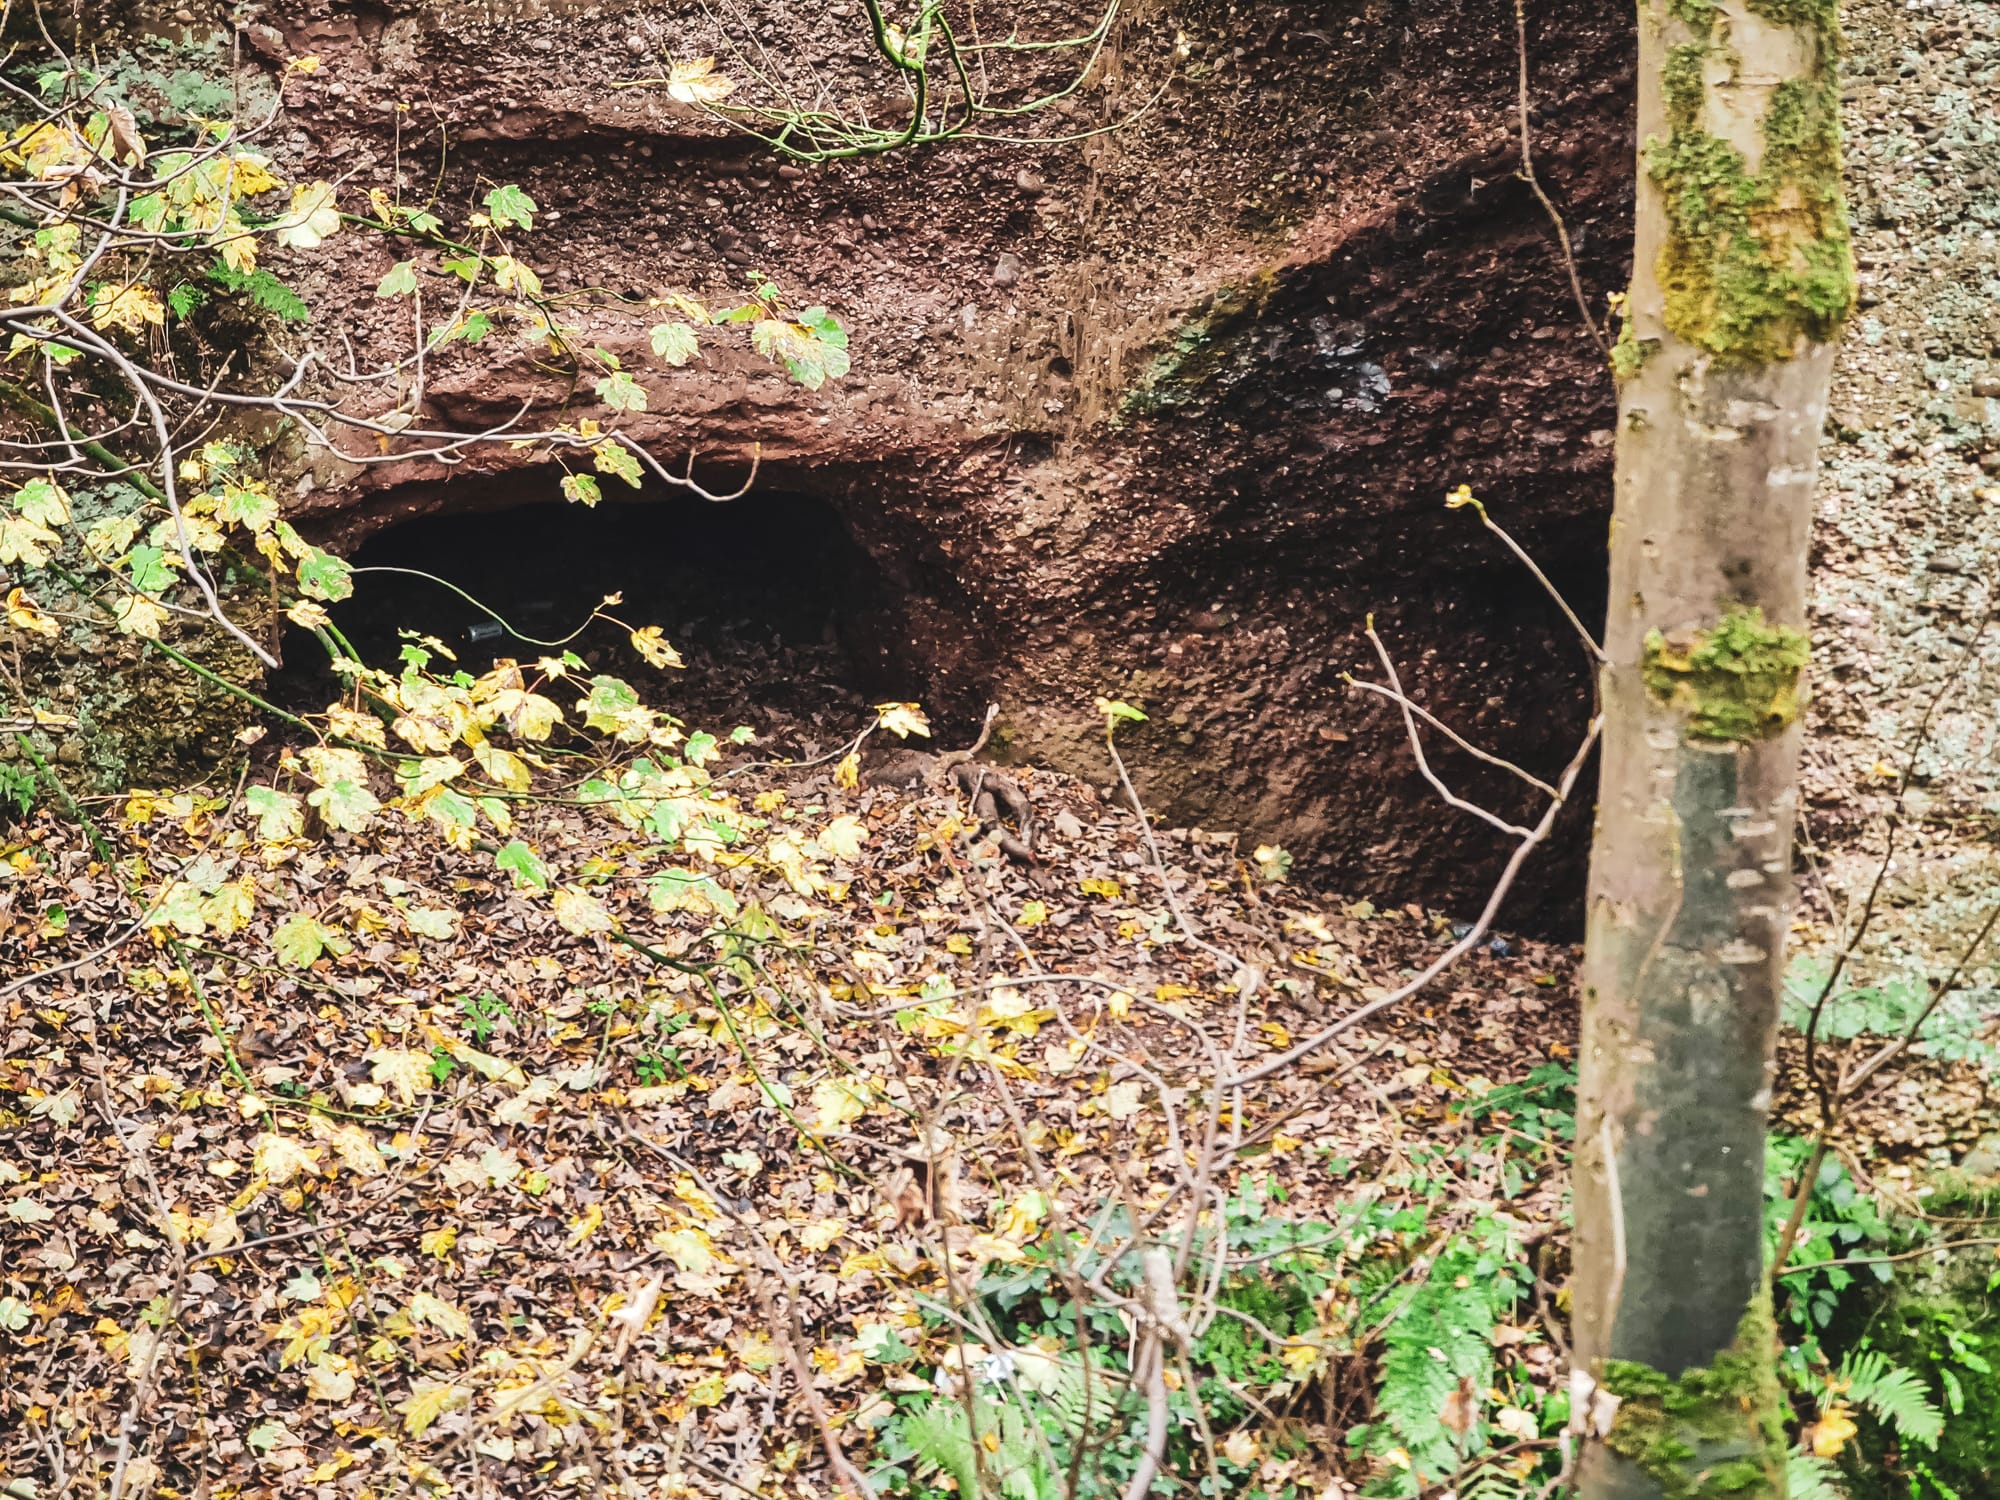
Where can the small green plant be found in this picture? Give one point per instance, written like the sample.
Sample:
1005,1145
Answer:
651,1067
483,1014
17,792
1954,1031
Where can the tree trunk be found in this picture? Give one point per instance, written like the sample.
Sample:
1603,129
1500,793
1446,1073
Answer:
1742,277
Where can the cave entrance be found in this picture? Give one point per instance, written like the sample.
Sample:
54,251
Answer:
786,624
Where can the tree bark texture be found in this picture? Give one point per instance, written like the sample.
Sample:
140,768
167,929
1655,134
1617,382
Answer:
1742,276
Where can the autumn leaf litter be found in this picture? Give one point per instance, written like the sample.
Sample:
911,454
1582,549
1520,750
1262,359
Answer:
356,1159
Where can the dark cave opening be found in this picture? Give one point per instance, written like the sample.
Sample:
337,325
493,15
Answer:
784,622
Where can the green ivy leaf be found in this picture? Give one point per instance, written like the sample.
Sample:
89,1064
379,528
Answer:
582,488
524,865
401,280
150,573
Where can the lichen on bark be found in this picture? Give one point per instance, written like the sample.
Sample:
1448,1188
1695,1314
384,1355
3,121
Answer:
1737,681
1716,1432
1754,263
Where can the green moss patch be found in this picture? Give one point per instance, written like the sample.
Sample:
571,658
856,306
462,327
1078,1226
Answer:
1201,348
1754,262
1712,1433
1739,681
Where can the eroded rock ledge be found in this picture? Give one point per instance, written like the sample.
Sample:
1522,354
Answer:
1162,414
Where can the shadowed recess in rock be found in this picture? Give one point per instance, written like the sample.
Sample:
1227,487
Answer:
782,620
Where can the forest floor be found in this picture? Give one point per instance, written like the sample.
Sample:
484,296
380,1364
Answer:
356,1163
352,1161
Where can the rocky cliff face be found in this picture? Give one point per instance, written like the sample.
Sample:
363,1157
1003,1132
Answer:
1160,413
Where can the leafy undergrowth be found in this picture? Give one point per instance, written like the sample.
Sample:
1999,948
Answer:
605,1111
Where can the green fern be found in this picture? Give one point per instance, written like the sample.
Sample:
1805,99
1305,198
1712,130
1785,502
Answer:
1810,1477
1443,1334
940,1440
264,291
1893,1395
1495,1483
938,1437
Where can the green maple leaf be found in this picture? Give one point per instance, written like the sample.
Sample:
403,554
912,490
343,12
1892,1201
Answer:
524,865
253,509
616,458
508,205
675,343
582,488
621,392
43,500
609,701
325,576
299,940
401,280
346,805
431,921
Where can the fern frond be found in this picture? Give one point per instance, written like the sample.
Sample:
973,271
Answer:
1810,1477
1495,1483
940,1440
1895,1396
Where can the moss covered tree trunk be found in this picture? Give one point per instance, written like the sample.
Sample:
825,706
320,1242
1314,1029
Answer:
1742,277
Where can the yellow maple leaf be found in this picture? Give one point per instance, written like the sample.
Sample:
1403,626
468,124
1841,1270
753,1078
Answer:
437,1243
650,642
354,1146
131,308
818,1236
426,1404
24,614
843,837
313,217
279,1158
848,773
1033,914
580,912
138,615
425,1307
903,719
403,1070
696,82
838,1103
585,1224
352,724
